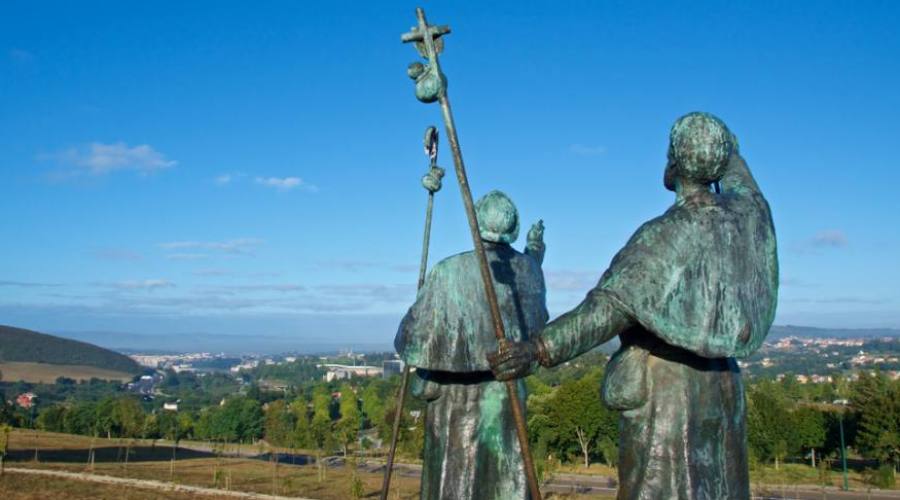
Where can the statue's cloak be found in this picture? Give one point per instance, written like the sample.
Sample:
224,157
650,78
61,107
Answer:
471,448
704,275
449,327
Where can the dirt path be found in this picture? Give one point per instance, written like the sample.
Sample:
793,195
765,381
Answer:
145,484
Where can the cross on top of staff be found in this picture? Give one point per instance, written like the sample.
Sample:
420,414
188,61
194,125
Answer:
427,38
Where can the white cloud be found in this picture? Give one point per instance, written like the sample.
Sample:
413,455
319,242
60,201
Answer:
286,183
571,280
27,284
223,179
150,284
834,238
187,256
264,287
99,159
239,246
212,272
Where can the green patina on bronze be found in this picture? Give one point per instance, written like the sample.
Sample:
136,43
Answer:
431,86
471,447
691,290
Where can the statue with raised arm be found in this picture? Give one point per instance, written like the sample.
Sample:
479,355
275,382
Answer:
692,289
471,447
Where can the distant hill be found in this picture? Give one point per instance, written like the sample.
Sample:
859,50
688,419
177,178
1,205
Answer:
26,346
780,331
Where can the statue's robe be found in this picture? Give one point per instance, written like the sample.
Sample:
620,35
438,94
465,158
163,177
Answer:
691,290
471,448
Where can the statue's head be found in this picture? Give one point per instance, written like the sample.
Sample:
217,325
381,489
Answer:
498,219
700,146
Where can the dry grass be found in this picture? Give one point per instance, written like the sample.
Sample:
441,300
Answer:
595,469
47,373
26,487
69,453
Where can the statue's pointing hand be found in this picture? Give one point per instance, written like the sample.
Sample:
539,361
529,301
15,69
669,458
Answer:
535,246
514,360
536,233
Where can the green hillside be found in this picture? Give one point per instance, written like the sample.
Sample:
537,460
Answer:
17,344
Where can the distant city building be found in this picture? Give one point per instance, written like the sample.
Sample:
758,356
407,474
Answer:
336,375
246,365
26,400
338,372
391,367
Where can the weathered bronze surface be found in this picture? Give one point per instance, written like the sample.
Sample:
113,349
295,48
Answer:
431,85
432,183
691,290
471,447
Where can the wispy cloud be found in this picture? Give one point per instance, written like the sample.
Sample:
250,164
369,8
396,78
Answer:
211,272
371,292
187,256
797,283
584,150
239,246
260,287
838,300
98,159
568,280
28,284
227,178
833,238
286,183
354,266
148,284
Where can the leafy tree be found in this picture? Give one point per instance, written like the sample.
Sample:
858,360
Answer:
103,417
52,418
81,418
279,423
767,414
321,419
127,417
808,429
240,418
609,448
302,434
579,417
350,421
373,398
877,400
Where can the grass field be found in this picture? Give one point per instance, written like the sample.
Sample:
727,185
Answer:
21,487
152,460
14,371
69,453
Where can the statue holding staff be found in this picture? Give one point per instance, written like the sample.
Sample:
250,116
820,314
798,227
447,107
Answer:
690,291
471,447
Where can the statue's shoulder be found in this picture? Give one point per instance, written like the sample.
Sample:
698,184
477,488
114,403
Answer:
450,267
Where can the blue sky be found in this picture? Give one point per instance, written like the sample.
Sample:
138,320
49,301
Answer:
232,168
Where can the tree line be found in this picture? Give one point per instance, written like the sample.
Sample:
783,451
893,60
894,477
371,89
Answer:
567,421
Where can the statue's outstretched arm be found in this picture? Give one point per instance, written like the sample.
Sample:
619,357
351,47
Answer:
596,320
593,322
